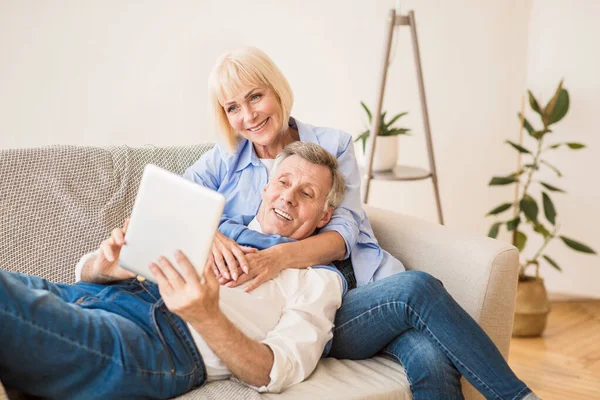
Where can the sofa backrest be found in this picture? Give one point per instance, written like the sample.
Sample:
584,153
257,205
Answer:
59,202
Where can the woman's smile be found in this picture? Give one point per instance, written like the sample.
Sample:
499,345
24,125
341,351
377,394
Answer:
260,127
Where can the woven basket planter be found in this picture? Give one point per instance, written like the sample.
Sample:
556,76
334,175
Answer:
532,308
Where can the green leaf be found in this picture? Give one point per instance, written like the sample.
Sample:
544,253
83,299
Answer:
359,137
546,163
493,233
500,208
527,125
549,209
502,180
532,166
383,117
571,145
519,148
539,134
383,130
521,240
549,109
552,188
533,103
553,263
364,106
513,223
395,118
398,131
363,136
575,245
557,106
541,229
529,207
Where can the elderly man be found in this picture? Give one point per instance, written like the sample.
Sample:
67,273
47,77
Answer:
114,336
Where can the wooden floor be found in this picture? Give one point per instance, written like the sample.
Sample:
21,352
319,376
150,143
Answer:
564,364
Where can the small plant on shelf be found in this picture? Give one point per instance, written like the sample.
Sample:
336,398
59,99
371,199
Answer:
385,128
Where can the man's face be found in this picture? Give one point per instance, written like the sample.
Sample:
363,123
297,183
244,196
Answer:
293,202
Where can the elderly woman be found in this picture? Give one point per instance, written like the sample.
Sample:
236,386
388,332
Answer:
407,316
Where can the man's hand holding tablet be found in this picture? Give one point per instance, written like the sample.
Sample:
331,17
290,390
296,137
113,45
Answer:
194,299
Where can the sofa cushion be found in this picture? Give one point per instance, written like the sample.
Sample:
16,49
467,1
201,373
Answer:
376,378
59,202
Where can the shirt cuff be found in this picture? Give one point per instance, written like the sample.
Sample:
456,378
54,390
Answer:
81,263
344,233
280,370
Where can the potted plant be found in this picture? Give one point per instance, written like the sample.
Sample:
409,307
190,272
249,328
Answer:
532,301
386,153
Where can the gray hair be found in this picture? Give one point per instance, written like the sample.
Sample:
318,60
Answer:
315,154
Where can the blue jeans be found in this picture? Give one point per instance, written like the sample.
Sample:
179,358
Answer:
412,319
89,341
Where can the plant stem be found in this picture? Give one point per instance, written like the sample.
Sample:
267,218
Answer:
535,166
539,252
528,182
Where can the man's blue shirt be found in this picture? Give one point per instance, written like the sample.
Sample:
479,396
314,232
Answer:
236,228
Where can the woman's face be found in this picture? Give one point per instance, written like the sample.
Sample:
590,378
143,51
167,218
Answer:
255,113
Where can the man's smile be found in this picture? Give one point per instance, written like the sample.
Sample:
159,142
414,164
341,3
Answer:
282,214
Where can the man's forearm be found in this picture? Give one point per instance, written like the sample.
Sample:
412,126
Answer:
320,249
249,360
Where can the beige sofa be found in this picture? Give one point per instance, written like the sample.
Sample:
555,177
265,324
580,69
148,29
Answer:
59,202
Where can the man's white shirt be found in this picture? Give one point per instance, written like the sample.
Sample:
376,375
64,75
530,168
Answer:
292,313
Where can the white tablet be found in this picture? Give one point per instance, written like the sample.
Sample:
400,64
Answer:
170,213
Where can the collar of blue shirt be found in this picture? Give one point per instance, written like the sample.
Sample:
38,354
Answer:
246,154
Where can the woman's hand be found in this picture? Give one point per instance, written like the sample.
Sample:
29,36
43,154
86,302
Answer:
184,293
105,267
228,259
262,266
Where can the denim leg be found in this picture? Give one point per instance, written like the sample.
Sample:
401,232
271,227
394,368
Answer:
66,292
431,374
55,349
376,314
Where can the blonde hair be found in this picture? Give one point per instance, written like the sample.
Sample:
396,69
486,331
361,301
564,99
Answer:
315,154
247,66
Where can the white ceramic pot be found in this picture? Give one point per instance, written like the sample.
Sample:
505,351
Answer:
386,153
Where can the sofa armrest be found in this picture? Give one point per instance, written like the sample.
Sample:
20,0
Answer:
479,272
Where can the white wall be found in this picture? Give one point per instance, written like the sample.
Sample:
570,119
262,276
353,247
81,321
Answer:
563,43
114,72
